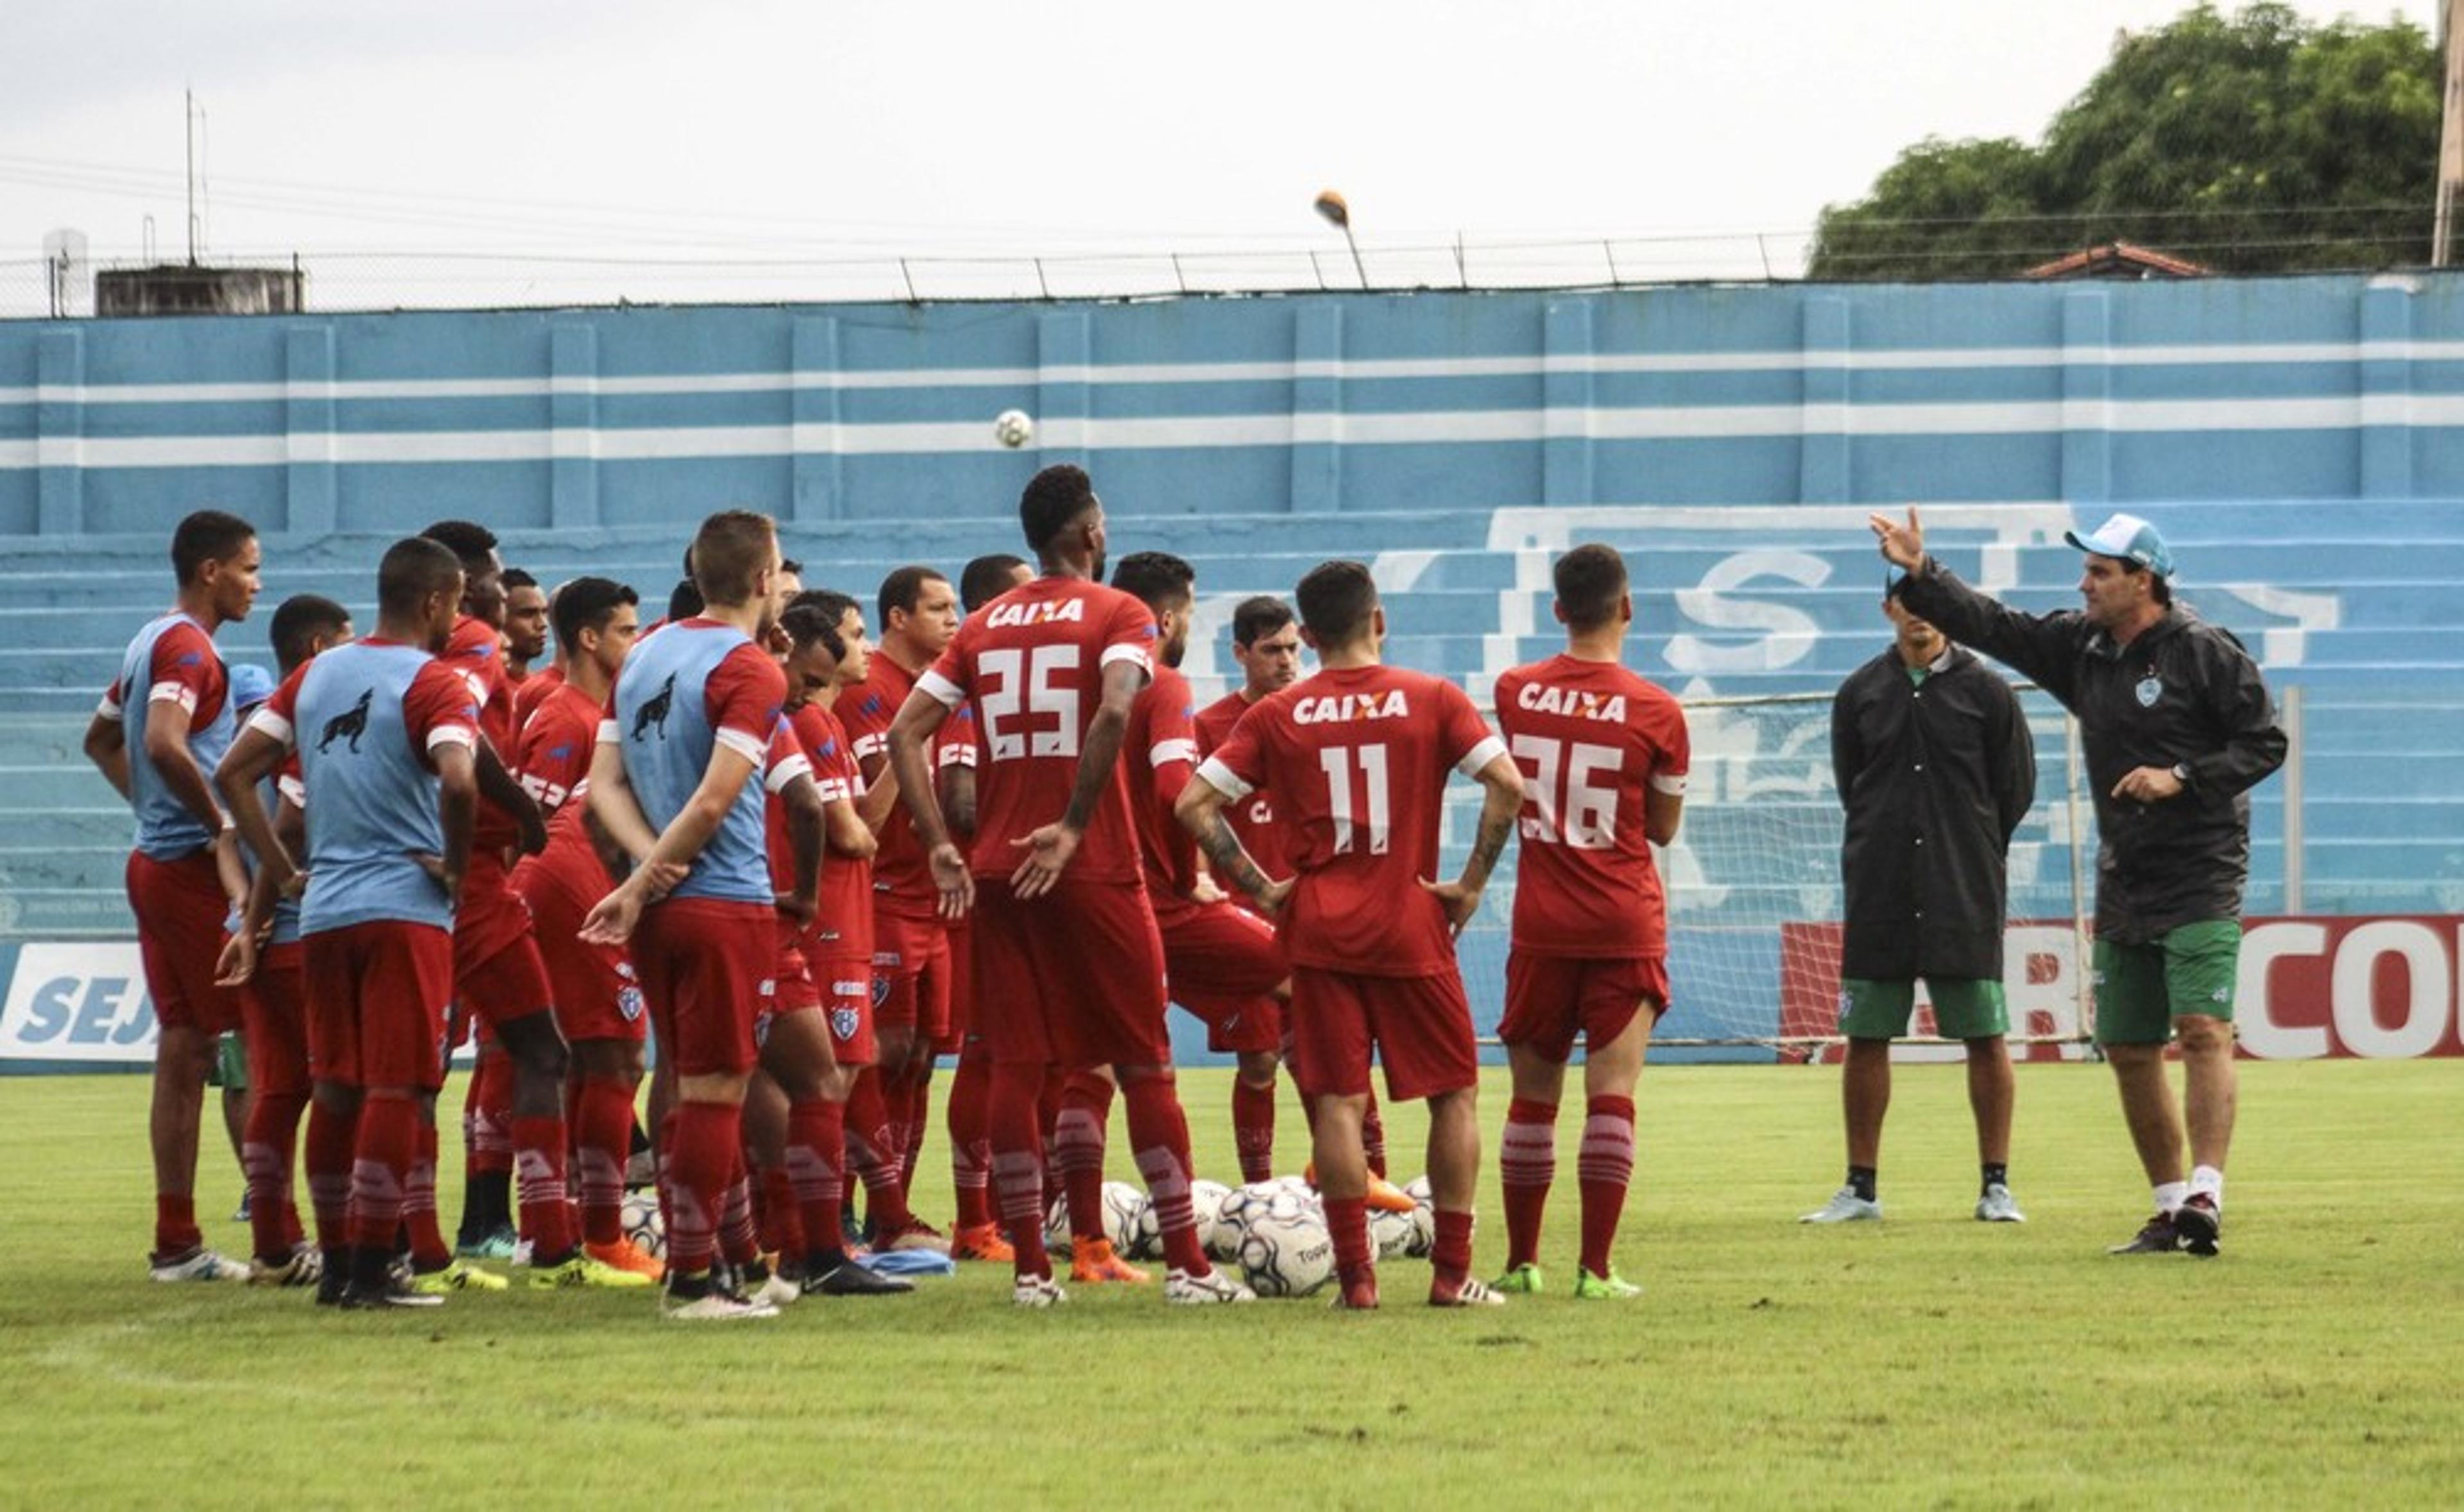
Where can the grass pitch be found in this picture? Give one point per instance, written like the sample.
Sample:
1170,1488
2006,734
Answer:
1928,1359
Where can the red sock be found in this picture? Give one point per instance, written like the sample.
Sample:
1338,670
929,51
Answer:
603,1130
971,1143
1159,1133
1450,1257
1018,1163
1526,1163
1605,1167
816,1157
1047,1114
386,1151
740,1240
1253,1130
175,1225
1355,1263
1078,1151
700,1159
266,1151
331,1136
418,1203
919,1117
539,1163
870,1149
781,1225
897,1094
1373,1139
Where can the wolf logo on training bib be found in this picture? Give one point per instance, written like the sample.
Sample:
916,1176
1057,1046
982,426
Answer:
350,724
2150,690
654,711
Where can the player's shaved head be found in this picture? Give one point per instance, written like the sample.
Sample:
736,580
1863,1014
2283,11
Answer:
987,577
410,572
732,552
588,603
1157,578
1590,583
1336,601
208,535
904,588
1055,499
1259,615
303,620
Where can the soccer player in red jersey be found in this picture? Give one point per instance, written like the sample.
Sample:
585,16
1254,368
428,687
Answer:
911,946
385,733
1357,757
532,690
157,737
598,999
1266,646
526,623
1604,755
677,782
273,1006
1069,968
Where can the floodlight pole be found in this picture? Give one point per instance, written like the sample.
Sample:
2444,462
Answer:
2450,131
1338,214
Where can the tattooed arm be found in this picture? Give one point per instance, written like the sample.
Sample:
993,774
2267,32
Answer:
1200,812
1501,784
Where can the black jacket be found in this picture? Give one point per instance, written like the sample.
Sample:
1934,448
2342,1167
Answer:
1934,779
2184,691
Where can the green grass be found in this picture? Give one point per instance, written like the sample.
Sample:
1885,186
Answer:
1925,1360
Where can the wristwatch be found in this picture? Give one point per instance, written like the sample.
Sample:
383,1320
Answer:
2182,772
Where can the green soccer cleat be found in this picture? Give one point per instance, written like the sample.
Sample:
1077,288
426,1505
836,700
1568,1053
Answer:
459,1276
1611,1288
584,1271
1525,1278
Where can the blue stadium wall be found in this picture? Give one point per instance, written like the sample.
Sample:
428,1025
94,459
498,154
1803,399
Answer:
2302,440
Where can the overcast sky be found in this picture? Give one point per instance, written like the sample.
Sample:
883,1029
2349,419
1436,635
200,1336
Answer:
641,131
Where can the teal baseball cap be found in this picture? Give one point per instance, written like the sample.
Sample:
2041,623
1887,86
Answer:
2127,538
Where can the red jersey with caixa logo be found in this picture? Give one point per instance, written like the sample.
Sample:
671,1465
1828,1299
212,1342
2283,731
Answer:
1157,755
842,917
1253,817
1589,736
1031,664
1357,758
902,878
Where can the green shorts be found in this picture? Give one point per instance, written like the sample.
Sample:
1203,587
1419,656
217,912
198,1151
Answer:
1963,1007
229,1069
2142,989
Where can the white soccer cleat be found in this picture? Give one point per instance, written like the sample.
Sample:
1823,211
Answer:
1999,1206
717,1307
1182,1289
1474,1292
1036,1291
305,1267
775,1292
1847,1207
197,1264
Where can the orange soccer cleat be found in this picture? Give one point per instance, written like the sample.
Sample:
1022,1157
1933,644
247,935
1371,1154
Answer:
1095,1261
626,1255
981,1242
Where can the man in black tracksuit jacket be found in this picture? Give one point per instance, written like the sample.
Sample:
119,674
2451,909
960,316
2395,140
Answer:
1934,769
2178,727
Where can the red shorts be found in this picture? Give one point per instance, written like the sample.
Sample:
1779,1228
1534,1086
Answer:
376,1003
847,987
1549,998
705,966
179,911
1072,978
962,991
491,918
792,979
1420,1027
1223,965
596,994
912,956
274,1021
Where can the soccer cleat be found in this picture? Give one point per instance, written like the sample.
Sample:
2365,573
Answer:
1470,1292
2198,1223
335,1282
626,1255
459,1276
1094,1262
1035,1291
2156,1237
305,1267
1999,1206
914,1234
1611,1288
497,1244
1525,1278
776,1291
1846,1207
1204,1290
714,1306
1360,1296
853,1280
583,1270
982,1242
392,1292
198,1263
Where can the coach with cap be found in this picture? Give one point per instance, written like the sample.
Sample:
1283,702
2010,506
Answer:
2178,727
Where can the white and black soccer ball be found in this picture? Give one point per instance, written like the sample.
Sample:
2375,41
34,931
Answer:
1012,428
1206,1206
1393,1233
1056,1226
1419,1190
1129,1218
1246,1206
643,1224
1287,1255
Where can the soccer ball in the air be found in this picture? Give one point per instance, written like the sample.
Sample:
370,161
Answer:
1012,428
642,1224
1206,1205
1127,1217
1287,1256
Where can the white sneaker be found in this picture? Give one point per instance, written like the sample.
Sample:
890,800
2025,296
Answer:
305,1267
1036,1291
1847,1207
198,1264
1999,1206
717,1307
1473,1293
1184,1289
775,1292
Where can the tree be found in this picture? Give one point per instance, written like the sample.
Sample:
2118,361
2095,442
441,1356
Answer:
2254,143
